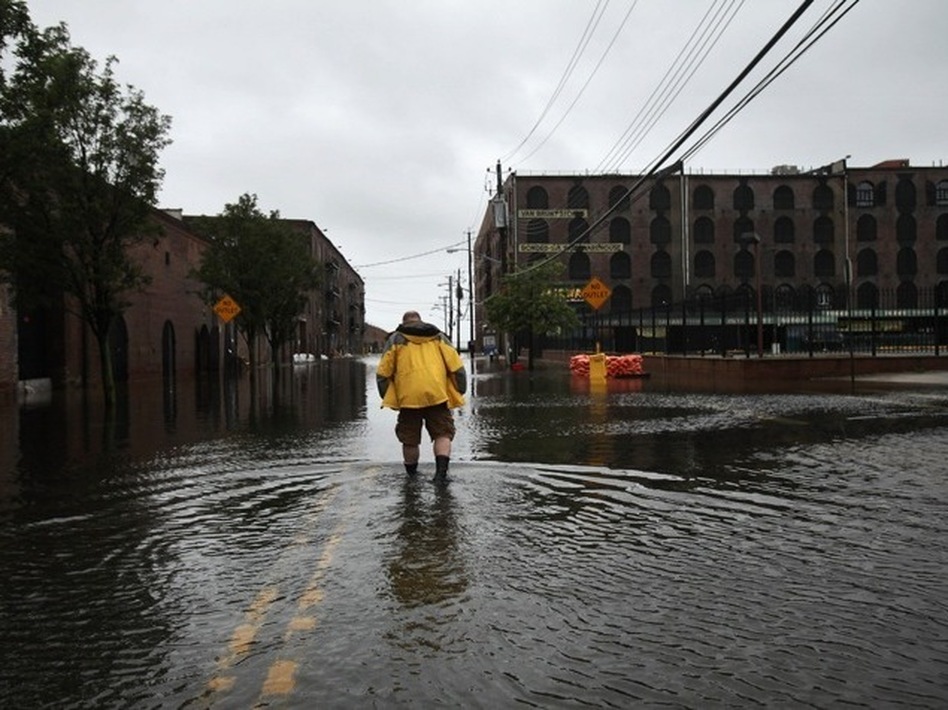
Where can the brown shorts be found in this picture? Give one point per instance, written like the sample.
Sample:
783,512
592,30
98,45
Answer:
438,421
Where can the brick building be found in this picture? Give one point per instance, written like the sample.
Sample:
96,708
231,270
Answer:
167,330
789,234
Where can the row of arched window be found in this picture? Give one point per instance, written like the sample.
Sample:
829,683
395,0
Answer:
743,198
784,264
704,230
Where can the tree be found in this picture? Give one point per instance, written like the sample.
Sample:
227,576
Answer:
527,303
80,177
263,264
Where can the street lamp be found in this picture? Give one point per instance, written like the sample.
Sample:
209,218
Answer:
752,238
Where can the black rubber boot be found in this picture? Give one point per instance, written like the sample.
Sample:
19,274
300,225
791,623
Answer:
441,468
411,468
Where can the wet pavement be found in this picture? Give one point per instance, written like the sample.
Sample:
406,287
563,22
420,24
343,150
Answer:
616,547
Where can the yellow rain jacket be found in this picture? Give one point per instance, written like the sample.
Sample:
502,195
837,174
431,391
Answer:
420,368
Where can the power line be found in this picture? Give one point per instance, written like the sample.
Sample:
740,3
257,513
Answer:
413,256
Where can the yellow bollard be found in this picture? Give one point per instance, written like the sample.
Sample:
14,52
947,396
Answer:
597,368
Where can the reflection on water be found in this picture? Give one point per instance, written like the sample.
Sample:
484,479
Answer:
208,546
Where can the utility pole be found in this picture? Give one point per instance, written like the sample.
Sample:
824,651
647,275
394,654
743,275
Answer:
470,294
459,291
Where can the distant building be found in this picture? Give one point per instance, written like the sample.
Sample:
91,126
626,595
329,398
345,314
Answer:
843,233
167,330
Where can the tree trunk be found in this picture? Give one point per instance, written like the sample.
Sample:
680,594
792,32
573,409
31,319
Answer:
105,367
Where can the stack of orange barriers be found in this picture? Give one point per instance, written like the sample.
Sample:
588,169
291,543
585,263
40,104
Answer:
616,365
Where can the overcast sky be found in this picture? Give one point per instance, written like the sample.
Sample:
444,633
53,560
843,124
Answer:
382,120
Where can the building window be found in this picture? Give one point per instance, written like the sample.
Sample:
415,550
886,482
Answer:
621,299
704,265
867,296
661,265
578,198
742,226
906,295
661,296
867,263
783,198
538,230
823,198
866,228
784,231
824,264
906,263
905,198
579,266
941,193
743,198
941,261
865,194
659,198
619,195
578,230
620,266
941,228
785,298
703,198
744,264
823,230
660,232
620,231
537,199
785,264
704,231
905,229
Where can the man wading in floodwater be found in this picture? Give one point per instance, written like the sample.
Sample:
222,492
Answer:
422,376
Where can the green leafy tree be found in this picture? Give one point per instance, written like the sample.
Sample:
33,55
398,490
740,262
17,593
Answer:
527,302
263,264
80,176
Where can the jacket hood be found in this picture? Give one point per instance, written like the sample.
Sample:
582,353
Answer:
418,329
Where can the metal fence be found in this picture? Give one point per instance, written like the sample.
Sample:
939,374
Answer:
889,322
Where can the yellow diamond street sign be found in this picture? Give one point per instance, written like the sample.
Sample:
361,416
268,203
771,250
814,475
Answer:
596,293
226,309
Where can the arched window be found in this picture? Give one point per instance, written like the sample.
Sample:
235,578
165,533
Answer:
579,266
906,263
866,228
703,294
905,229
822,197
538,230
621,299
620,231
703,198
742,226
743,198
823,230
659,198
824,264
941,261
620,266
784,231
661,296
785,264
906,295
661,265
941,228
783,198
785,298
867,263
704,230
744,264
660,232
537,199
704,265
578,226
865,194
905,195
941,193
867,295
619,195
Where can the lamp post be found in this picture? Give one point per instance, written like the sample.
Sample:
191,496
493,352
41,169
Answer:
752,238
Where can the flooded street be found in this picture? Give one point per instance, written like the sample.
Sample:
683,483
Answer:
633,547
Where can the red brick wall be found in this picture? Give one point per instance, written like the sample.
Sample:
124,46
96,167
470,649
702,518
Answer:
8,361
